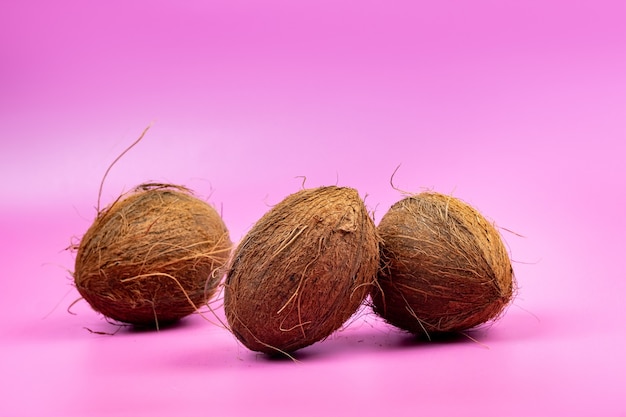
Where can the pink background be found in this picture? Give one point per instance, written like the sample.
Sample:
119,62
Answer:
519,108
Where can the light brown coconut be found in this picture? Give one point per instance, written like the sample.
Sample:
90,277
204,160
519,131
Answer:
153,256
444,267
302,270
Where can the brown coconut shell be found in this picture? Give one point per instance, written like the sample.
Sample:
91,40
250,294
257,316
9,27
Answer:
444,267
153,256
302,270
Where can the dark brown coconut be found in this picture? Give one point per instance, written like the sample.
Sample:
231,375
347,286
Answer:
153,256
444,266
302,270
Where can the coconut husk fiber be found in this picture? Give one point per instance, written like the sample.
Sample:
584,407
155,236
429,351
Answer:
444,267
153,256
302,270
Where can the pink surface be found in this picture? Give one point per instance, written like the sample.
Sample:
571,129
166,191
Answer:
519,108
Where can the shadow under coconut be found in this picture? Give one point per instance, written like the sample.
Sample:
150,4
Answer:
119,328
369,334
381,338
362,338
179,324
52,329
516,326
475,336
354,339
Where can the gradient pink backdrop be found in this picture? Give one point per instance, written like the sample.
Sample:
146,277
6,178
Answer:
519,108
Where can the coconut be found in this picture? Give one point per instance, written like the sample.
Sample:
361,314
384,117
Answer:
152,257
444,267
302,270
